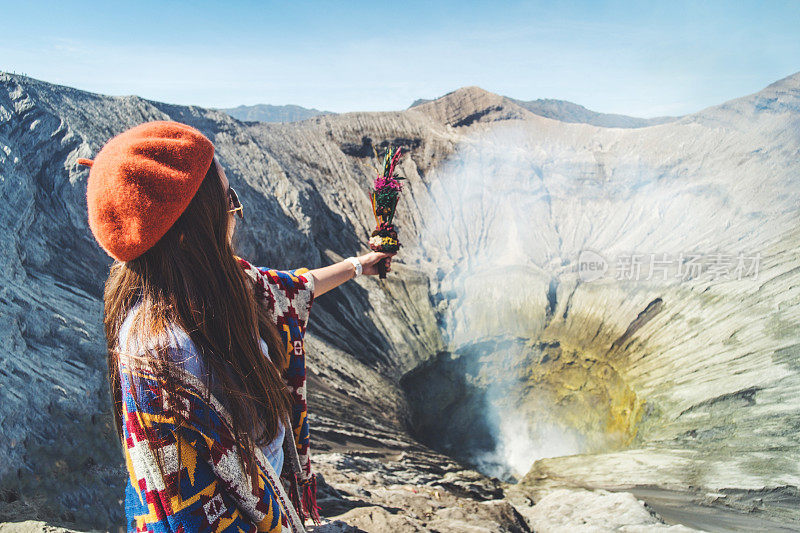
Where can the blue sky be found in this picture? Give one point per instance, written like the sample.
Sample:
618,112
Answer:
636,58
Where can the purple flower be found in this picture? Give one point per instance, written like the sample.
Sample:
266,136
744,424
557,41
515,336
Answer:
384,182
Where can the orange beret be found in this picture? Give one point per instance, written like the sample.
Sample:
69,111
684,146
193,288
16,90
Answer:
141,181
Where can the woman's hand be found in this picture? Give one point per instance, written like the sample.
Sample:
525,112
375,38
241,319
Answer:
331,276
370,261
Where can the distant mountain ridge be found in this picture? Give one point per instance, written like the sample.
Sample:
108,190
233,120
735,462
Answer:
273,113
565,111
570,112
560,110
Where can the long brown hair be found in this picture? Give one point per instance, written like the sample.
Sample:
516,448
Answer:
191,279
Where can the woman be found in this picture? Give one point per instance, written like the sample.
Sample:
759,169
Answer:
205,351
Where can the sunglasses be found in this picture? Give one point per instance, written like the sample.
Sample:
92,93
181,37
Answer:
236,205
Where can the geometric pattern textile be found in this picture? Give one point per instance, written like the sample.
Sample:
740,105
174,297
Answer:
214,492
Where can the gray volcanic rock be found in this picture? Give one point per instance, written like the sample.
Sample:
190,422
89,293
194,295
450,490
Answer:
490,348
637,378
469,105
272,113
307,206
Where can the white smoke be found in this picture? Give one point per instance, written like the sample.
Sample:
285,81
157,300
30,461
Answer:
491,216
523,438
511,212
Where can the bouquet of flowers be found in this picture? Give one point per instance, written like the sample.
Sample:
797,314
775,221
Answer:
384,197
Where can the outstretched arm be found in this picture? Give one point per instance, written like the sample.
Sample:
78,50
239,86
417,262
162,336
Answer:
331,276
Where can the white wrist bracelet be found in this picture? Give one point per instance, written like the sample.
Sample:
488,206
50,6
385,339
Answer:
357,264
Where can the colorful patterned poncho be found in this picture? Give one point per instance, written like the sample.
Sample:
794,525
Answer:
215,494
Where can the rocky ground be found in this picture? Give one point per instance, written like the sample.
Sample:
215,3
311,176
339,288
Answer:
649,403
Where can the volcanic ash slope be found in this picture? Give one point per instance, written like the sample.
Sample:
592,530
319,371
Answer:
674,365
489,344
